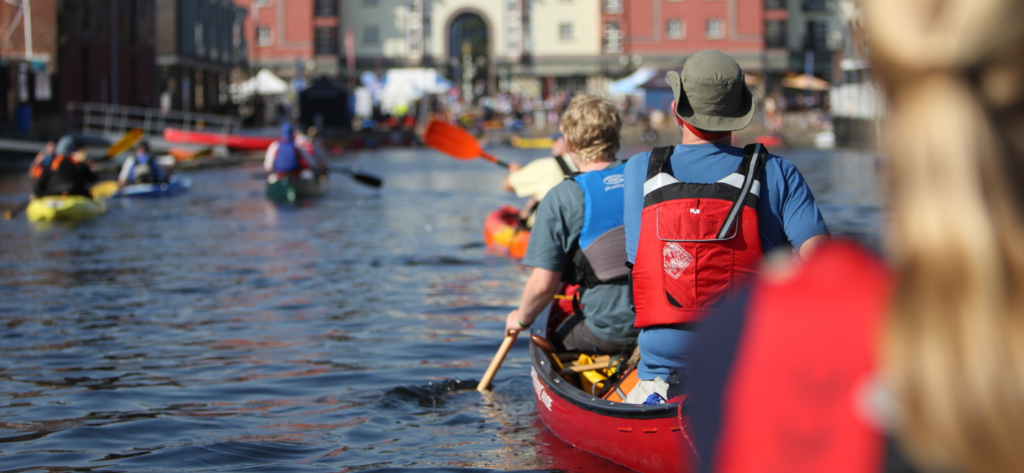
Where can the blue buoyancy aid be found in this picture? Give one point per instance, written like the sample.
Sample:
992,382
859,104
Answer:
287,158
600,254
145,169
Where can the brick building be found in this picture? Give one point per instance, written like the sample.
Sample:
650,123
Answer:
27,63
293,37
199,45
662,33
107,52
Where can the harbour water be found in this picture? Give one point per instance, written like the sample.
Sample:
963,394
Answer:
215,331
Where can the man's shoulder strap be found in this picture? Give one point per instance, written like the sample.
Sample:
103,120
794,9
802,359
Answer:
566,170
659,157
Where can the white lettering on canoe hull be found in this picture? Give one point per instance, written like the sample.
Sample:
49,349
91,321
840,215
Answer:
538,388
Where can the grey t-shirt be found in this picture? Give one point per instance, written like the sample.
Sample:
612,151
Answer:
607,308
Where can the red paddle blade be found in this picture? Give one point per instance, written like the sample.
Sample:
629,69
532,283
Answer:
451,140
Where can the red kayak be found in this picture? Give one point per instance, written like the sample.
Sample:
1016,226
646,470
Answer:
642,438
239,142
503,234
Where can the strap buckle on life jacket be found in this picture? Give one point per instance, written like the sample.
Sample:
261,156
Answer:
754,157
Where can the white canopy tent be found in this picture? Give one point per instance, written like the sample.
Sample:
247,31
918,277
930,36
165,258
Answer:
263,83
628,85
402,86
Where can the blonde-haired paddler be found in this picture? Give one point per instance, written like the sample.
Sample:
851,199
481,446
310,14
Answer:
578,238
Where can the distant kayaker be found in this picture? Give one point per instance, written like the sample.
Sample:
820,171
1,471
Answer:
43,159
284,157
677,200
539,176
69,173
312,144
578,238
851,363
141,168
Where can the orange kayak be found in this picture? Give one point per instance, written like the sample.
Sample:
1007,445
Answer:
503,234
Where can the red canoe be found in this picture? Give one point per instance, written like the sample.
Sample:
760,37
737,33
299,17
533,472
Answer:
503,234
642,438
239,142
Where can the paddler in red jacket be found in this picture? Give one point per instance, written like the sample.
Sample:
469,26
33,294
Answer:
851,364
700,215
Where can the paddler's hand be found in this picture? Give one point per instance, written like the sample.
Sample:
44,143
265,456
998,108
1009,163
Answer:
514,166
513,322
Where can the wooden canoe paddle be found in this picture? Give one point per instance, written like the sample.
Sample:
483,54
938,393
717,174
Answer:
506,345
456,142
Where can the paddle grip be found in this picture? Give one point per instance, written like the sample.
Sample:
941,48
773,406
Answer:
506,345
493,159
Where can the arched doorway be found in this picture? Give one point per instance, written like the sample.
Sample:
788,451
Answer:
467,54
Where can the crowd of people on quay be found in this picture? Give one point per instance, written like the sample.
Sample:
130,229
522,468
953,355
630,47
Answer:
797,352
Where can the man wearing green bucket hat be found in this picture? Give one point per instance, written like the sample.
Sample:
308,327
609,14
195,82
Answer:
700,215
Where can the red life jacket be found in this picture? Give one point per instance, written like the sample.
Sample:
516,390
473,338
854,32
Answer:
696,240
794,398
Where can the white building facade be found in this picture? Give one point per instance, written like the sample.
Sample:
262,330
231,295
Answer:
536,47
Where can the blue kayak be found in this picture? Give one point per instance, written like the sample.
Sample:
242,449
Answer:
173,186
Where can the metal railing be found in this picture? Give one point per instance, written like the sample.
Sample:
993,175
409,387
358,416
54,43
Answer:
106,119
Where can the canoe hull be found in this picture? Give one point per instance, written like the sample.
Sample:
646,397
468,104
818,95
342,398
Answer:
502,234
173,186
238,142
63,209
290,189
642,438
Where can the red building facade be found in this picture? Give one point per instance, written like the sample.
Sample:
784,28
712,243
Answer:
293,37
663,33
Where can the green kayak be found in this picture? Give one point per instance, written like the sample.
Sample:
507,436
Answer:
294,188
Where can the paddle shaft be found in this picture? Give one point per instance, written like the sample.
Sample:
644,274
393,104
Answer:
506,345
359,177
491,158
17,210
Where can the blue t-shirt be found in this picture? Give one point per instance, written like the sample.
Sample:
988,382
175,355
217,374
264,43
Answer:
787,213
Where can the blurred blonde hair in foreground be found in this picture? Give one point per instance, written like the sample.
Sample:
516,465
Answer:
954,347
591,126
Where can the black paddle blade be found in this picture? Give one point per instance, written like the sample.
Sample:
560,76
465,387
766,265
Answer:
368,180
16,211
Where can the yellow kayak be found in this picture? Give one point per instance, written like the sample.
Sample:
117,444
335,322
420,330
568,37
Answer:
72,208
520,142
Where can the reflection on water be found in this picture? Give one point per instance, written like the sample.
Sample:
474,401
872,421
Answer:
215,331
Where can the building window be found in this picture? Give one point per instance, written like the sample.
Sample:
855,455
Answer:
817,35
326,40
414,29
325,8
815,6
774,4
514,26
715,29
200,43
612,7
263,36
261,3
775,33
371,35
612,37
565,31
571,84
675,29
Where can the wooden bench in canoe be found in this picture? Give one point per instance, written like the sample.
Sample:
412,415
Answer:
643,438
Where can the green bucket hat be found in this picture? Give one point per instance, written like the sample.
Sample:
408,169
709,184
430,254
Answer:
712,94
